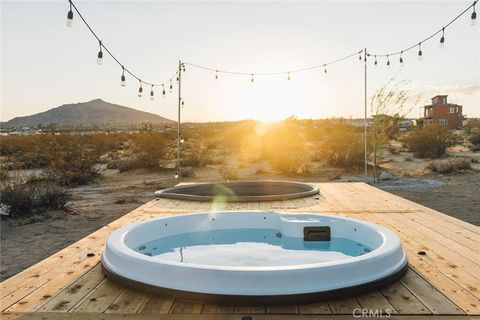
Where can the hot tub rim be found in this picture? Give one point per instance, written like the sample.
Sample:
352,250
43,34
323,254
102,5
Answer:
168,194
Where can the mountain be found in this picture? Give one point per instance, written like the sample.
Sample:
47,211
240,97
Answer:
95,112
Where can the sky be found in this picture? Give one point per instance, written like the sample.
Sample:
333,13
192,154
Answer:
44,64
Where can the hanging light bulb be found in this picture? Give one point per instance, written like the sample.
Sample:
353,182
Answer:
182,140
360,55
420,54
289,77
100,54
140,90
176,175
122,78
183,67
216,74
171,86
183,104
401,59
376,62
473,17
442,39
325,68
163,91
252,79
151,93
70,16
388,62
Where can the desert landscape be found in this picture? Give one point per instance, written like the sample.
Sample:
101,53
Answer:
113,173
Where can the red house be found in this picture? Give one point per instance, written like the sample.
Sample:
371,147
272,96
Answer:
443,113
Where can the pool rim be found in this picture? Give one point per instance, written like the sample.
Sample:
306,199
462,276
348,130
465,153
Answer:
169,193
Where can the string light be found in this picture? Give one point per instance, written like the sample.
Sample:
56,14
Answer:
100,54
140,89
420,54
70,17
183,103
183,67
360,56
122,78
401,59
289,77
216,74
252,79
442,39
182,140
163,90
376,62
171,86
151,93
388,62
473,17
325,68
176,175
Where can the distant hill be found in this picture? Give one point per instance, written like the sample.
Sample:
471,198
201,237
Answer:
95,112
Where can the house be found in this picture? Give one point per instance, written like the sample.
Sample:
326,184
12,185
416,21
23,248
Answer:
442,113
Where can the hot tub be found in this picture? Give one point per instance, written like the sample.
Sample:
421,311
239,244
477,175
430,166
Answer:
254,190
254,257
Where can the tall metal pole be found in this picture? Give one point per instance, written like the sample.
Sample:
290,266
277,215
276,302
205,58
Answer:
365,116
177,174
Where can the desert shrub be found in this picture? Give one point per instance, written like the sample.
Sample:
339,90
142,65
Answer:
150,150
285,150
430,141
229,173
73,167
24,196
342,146
450,165
472,131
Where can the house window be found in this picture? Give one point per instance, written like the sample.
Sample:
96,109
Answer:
451,110
442,122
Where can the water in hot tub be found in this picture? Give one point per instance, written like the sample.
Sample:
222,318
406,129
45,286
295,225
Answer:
249,248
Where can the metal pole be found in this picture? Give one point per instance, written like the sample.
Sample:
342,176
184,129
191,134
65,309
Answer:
365,116
177,174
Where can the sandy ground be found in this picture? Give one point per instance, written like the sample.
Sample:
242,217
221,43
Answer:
115,194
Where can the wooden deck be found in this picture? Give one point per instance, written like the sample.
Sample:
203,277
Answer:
444,283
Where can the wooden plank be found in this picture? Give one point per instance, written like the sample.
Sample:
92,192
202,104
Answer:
433,299
217,308
183,306
403,300
100,298
376,301
72,294
157,304
314,308
282,309
249,309
344,306
129,301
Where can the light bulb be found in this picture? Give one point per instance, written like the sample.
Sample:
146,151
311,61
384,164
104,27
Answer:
183,103
70,18
216,75
473,18
176,175
289,77
122,78
360,56
140,90
325,69
182,140
376,62
420,53
388,63
401,61
171,86
252,79
100,57
151,93
442,42
163,91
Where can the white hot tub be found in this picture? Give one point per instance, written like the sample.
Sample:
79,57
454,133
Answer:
254,257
